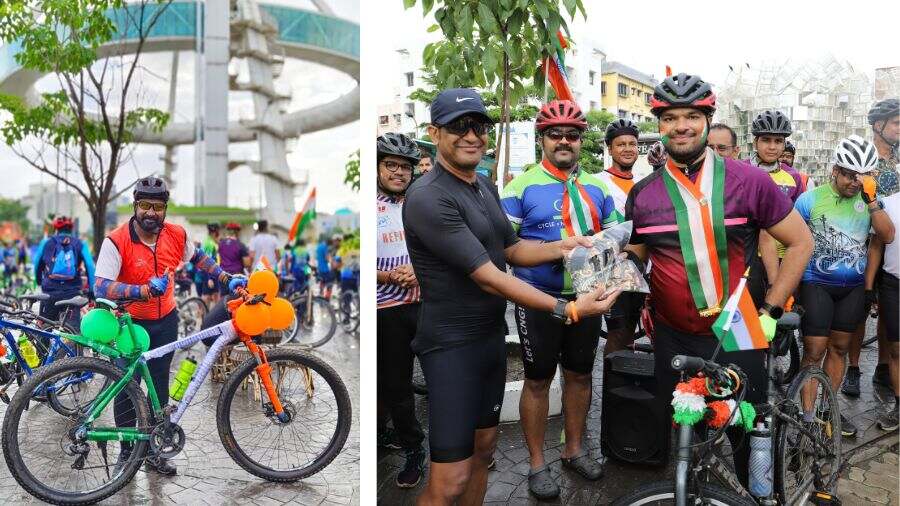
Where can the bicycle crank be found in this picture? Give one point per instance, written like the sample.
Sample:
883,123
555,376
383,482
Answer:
166,440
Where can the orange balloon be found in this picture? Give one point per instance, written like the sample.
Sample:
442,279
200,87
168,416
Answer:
264,281
282,314
253,319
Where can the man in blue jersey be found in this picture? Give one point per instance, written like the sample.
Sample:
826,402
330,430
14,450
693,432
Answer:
56,269
553,201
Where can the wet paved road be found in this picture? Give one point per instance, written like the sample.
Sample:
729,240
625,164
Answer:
207,475
872,477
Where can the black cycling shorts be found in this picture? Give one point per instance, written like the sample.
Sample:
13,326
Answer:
546,342
465,393
626,311
889,305
831,308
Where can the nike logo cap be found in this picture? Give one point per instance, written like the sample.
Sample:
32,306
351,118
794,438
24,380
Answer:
455,102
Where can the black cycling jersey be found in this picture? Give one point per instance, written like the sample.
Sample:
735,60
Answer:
453,227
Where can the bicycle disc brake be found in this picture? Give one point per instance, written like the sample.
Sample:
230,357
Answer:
166,440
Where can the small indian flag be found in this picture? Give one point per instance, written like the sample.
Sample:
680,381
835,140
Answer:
306,216
738,325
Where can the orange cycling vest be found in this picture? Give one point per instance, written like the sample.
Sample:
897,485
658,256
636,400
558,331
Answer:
140,263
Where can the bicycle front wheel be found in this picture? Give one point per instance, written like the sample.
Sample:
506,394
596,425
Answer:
319,410
808,449
663,493
42,448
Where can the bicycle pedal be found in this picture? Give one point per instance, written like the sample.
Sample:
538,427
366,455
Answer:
824,499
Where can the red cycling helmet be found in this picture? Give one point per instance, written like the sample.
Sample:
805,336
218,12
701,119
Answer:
560,113
62,222
232,226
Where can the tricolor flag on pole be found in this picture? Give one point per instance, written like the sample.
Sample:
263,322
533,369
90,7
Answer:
738,325
555,70
306,216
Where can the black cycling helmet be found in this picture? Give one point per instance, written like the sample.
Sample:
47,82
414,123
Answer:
884,110
212,226
621,127
683,90
392,144
771,123
789,147
151,187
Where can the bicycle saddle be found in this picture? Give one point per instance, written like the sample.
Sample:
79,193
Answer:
76,301
35,296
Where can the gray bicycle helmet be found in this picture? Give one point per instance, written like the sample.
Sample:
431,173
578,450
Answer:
621,127
771,123
151,187
789,147
884,110
683,90
392,144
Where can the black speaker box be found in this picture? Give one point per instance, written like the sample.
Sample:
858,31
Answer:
634,427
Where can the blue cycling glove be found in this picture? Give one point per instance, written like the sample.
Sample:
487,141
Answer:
159,285
237,281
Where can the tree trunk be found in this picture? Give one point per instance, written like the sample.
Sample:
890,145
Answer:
506,142
99,219
504,123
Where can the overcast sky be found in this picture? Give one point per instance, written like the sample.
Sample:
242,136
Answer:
317,157
702,36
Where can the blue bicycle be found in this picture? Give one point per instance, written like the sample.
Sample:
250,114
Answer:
42,334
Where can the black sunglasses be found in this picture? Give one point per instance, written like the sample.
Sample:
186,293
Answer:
462,126
556,135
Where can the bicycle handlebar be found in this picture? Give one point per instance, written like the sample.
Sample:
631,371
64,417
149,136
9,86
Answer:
691,365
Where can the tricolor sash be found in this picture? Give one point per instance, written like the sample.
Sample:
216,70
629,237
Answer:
579,213
700,215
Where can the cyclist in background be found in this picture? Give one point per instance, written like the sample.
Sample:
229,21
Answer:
137,262
398,309
210,246
22,246
324,274
770,132
546,342
832,293
234,257
723,141
884,117
263,245
787,158
622,142
56,269
425,163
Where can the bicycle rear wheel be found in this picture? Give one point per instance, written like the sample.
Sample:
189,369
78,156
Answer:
312,394
315,329
349,311
808,454
663,493
40,444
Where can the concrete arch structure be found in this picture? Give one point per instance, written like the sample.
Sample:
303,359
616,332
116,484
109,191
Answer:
300,34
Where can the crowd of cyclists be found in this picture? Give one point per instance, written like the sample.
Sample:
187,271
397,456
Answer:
452,252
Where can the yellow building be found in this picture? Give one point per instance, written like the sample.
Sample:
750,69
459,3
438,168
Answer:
626,92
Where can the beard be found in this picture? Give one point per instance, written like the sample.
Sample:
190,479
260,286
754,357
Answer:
687,155
150,225
564,164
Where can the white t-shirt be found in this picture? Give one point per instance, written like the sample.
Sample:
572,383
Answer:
263,244
892,250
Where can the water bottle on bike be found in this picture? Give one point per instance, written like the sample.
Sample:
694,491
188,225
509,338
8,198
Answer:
761,468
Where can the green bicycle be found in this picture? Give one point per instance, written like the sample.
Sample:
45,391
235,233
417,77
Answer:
282,415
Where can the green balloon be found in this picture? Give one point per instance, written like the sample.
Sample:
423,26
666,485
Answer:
100,325
124,342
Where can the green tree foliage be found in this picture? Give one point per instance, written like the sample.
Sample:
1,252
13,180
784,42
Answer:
351,171
90,122
494,44
13,210
648,127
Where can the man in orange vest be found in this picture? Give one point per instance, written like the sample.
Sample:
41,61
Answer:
137,262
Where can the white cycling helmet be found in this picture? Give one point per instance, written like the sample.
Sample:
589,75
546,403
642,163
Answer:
856,154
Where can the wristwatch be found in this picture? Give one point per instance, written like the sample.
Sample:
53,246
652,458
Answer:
774,311
559,311
879,206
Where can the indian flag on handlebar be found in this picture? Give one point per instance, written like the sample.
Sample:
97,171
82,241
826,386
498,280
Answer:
738,327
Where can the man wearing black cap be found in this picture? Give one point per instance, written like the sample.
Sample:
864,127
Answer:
459,241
